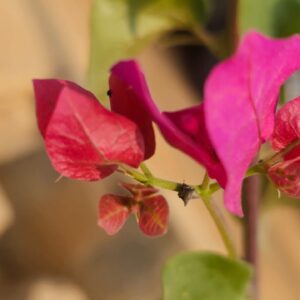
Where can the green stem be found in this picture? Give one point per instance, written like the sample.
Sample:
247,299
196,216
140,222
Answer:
154,181
147,178
220,225
205,182
146,170
165,184
203,191
256,169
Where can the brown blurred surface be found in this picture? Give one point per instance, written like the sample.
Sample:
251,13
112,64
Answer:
50,245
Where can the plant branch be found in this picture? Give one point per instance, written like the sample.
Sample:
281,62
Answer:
146,170
203,191
220,226
150,179
252,194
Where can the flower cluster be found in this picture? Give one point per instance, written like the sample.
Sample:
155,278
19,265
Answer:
224,133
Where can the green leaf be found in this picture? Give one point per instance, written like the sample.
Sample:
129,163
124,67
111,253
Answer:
286,17
205,276
121,28
257,14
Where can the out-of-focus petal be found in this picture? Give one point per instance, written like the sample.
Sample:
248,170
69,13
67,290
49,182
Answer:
241,94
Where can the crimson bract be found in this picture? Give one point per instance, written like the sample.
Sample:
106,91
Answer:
285,172
150,208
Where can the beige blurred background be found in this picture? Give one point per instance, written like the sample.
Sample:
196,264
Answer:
50,245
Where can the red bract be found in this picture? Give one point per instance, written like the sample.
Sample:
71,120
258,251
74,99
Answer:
83,139
286,173
151,209
187,134
153,216
286,176
287,128
241,94
113,213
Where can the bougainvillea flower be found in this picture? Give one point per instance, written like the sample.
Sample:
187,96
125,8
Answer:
241,94
150,208
285,173
184,130
83,139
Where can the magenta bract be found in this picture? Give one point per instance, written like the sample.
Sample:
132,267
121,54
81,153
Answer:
83,139
191,137
191,122
241,94
127,89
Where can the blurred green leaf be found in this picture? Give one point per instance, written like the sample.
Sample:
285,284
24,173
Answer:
286,19
257,14
120,28
205,276
274,17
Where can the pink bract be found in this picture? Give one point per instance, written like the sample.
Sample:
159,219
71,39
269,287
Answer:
241,94
83,139
184,130
126,85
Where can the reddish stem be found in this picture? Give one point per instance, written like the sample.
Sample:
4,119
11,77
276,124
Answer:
252,197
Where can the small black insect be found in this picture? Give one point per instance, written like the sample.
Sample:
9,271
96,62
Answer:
186,193
109,93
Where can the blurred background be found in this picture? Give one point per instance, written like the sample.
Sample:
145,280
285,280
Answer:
50,244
